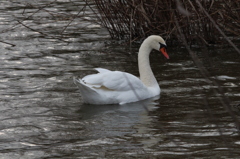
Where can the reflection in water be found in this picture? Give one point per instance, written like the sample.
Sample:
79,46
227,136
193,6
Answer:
135,107
118,120
42,115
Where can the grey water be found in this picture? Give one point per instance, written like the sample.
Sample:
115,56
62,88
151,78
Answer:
42,114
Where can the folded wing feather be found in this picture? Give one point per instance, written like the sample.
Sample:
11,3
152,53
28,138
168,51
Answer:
113,80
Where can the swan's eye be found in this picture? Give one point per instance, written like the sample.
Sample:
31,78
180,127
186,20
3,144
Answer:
162,45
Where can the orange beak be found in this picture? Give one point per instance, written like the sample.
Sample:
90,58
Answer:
164,52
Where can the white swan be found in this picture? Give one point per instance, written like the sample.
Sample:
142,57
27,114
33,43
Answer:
116,87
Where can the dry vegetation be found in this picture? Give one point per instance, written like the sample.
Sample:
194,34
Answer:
133,19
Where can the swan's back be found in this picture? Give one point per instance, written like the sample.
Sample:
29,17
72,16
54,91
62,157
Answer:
111,87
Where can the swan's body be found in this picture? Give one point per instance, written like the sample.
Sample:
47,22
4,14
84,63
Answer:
116,87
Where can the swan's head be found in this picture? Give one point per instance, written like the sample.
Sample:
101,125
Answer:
156,42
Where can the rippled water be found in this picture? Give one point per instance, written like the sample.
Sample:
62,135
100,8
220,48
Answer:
42,115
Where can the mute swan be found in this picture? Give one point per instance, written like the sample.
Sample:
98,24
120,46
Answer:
116,87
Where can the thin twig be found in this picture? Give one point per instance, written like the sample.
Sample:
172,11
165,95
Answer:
42,33
217,27
72,19
7,43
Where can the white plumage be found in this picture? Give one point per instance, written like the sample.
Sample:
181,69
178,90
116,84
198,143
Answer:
116,87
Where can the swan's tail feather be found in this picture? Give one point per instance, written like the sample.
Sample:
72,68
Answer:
87,92
82,86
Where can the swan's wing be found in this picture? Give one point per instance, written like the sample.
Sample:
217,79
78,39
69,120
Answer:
113,80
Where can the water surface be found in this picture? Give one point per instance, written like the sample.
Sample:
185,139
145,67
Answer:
43,116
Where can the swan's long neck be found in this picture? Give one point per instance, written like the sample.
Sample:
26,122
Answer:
146,74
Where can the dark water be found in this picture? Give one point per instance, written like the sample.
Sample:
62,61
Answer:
42,115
